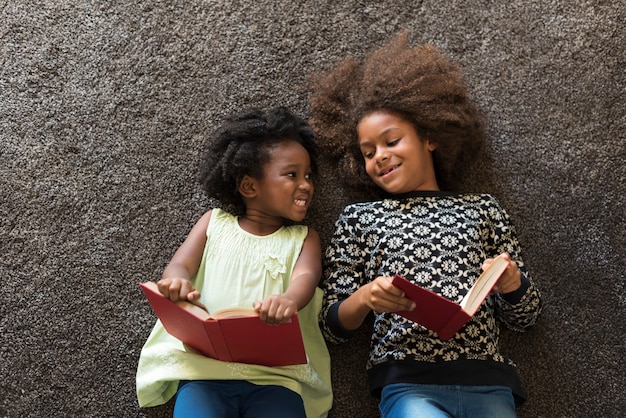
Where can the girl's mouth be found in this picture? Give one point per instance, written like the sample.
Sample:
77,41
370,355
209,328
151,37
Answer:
388,170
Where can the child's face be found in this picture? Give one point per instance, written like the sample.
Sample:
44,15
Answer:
396,158
286,189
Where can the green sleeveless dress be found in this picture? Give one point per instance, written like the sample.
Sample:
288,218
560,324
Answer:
237,269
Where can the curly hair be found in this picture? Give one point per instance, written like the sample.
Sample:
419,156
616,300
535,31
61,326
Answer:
241,146
419,84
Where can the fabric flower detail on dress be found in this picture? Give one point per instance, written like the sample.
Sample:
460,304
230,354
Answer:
274,267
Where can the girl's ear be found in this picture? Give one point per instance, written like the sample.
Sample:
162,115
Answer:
431,145
247,187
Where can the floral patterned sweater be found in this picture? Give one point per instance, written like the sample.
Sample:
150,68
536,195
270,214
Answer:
438,240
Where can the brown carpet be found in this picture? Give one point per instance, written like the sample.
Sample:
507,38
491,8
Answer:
103,107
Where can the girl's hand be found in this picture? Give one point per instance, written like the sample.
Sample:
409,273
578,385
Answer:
275,309
510,280
378,296
381,296
178,288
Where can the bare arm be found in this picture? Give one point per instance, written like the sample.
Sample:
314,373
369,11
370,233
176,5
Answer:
304,279
175,283
379,296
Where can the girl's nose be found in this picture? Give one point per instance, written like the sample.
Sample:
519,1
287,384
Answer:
382,156
305,184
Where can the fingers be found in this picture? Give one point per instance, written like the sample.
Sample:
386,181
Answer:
510,280
176,289
385,297
275,309
488,261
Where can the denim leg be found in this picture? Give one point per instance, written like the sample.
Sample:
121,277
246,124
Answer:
271,401
205,399
488,401
406,400
235,398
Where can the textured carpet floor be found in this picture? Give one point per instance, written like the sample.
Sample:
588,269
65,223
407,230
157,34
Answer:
103,105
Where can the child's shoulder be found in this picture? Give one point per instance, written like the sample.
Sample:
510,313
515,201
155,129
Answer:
421,196
484,200
477,197
420,202
218,219
298,230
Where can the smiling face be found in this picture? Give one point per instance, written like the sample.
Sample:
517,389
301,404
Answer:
286,189
396,158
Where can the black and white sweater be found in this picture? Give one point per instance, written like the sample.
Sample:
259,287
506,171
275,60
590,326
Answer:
438,240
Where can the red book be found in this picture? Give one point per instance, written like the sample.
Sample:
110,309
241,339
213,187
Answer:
442,315
234,335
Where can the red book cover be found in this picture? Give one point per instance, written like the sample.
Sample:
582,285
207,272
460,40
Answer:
442,315
229,335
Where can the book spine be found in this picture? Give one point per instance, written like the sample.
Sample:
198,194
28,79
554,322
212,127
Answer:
454,325
214,333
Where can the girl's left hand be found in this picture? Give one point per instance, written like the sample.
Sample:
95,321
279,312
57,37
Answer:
275,309
510,280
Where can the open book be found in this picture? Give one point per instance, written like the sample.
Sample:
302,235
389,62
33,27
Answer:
442,315
234,335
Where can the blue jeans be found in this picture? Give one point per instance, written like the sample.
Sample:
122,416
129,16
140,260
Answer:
404,400
235,398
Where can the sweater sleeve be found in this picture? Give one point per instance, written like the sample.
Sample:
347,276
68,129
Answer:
517,310
343,273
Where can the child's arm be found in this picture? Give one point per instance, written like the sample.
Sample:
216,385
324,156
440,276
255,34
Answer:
304,280
517,303
378,295
175,283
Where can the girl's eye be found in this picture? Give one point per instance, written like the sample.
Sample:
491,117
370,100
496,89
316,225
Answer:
368,155
394,142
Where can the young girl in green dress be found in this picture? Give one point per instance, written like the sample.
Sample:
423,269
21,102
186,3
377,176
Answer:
260,166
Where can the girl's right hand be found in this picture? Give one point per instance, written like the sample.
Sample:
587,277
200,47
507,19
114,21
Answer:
379,296
178,288
382,296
